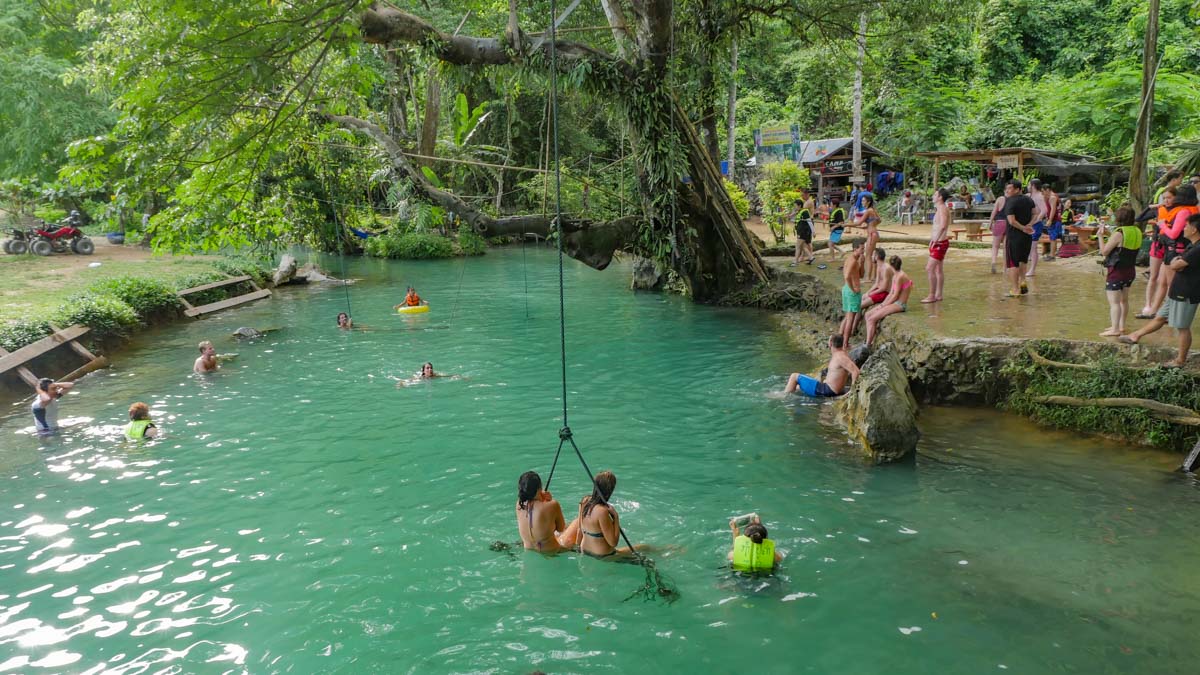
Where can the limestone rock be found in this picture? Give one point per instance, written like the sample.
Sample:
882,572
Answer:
247,333
646,276
286,270
310,274
880,412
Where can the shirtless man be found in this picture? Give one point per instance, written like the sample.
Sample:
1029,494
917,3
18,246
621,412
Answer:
840,367
207,361
1040,225
540,518
851,291
939,243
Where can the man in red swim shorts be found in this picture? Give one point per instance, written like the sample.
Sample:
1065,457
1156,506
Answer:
939,243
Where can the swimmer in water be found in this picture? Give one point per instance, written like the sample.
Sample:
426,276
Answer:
207,361
540,518
140,426
427,372
599,524
344,321
752,551
411,299
45,404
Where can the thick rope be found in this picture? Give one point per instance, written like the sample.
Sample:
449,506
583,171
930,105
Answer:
654,585
341,236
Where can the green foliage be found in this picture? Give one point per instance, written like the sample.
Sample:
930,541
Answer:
738,196
781,186
1109,127
199,279
107,315
18,334
236,266
149,298
1111,379
410,246
470,243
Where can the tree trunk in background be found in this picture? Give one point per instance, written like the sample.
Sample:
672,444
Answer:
856,171
1139,185
433,106
732,111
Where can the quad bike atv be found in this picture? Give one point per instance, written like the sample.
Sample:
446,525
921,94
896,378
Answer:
17,242
59,238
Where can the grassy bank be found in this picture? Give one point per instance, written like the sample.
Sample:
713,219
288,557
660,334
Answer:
113,299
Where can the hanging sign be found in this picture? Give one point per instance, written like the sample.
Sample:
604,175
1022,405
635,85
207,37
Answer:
1006,161
837,166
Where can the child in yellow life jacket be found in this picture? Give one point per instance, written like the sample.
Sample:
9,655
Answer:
752,551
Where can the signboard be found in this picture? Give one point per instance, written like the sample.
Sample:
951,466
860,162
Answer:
837,166
1006,161
777,144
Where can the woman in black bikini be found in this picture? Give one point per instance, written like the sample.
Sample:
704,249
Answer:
540,518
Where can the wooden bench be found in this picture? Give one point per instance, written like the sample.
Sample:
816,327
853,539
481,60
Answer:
192,311
17,360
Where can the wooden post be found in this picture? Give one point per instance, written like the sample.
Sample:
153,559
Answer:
1021,167
936,162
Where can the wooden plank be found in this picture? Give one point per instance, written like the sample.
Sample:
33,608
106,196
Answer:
94,364
75,346
32,351
215,284
227,303
25,373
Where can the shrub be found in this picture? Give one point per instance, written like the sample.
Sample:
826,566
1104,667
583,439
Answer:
148,297
470,243
236,266
782,184
740,201
18,334
106,315
411,246
199,279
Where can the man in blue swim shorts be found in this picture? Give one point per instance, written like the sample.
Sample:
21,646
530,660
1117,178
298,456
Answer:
840,367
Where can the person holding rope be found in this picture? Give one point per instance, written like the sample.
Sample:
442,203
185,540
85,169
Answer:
599,524
344,321
752,551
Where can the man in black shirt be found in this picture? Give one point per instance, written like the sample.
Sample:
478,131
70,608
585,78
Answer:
1018,239
1183,297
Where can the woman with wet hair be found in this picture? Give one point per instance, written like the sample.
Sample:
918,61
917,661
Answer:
344,321
599,523
540,518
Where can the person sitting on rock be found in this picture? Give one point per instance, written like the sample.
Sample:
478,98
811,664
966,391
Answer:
896,301
140,426
834,383
752,551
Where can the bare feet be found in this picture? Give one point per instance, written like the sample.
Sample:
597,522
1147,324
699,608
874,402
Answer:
1127,340
1029,274
928,299
1111,332
1173,364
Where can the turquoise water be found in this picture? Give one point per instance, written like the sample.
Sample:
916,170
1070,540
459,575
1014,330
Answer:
306,514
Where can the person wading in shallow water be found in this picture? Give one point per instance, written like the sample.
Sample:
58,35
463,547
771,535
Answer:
599,529
1018,240
207,361
45,404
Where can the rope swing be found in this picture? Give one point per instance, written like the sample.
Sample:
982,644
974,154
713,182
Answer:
654,587
341,236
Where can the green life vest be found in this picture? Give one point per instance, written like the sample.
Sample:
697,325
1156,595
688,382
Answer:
1131,237
838,216
137,429
750,557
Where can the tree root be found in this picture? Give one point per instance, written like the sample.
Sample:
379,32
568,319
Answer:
1171,413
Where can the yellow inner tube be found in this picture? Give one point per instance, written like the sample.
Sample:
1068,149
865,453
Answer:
418,309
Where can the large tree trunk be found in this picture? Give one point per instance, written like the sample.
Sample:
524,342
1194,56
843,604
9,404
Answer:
433,108
696,223
1139,188
731,113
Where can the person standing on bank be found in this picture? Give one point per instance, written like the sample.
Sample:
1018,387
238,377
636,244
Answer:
999,229
1019,210
1183,297
1120,252
803,214
1039,224
939,244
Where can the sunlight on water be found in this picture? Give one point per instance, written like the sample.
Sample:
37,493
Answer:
305,513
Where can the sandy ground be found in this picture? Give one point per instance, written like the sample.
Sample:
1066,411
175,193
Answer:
1066,298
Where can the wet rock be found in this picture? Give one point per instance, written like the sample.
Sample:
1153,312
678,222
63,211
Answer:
309,274
646,275
247,333
880,412
286,270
